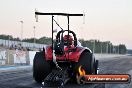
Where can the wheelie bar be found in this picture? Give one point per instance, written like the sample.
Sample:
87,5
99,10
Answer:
57,78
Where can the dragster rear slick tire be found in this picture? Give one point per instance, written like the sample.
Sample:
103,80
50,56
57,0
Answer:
41,68
87,62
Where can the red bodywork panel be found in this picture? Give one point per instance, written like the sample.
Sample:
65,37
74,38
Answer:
73,56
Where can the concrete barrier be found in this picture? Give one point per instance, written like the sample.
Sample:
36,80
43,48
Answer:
18,57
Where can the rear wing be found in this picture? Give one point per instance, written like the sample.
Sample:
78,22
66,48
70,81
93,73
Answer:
58,14
61,14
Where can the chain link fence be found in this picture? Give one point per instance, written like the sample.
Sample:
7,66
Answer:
19,44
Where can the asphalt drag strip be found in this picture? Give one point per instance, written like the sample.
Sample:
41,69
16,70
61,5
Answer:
23,78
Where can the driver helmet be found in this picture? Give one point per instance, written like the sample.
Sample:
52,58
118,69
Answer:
66,39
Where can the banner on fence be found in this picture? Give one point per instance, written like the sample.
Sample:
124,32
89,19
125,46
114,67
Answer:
20,57
2,57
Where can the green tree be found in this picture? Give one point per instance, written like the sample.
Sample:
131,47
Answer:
122,49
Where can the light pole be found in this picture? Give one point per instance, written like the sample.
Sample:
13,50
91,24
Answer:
34,35
21,31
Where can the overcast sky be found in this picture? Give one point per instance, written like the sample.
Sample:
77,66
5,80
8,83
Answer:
106,20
